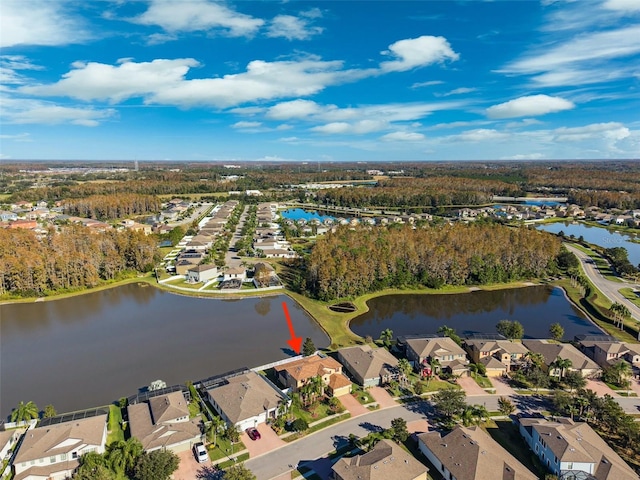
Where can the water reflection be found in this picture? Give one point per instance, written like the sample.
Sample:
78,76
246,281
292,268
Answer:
476,312
92,349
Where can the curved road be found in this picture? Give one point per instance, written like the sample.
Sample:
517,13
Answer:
607,287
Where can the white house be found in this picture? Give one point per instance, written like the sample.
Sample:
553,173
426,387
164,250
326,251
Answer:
573,450
202,273
52,452
247,400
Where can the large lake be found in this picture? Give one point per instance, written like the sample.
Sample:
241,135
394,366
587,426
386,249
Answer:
597,236
475,312
89,350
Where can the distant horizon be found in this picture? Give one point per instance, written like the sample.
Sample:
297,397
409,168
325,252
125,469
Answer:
269,81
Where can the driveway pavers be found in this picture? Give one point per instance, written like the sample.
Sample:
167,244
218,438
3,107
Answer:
383,398
502,387
354,407
269,441
600,388
470,386
189,467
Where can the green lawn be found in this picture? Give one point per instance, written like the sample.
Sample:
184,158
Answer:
333,420
483,381
363,396
223,448
114,427
507,435
629,294
311,414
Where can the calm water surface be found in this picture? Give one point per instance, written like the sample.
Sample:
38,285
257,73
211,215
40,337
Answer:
598,236
476,312
92,349
301,214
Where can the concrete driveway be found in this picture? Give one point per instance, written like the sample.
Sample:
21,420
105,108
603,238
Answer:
269,441
383,398
354,407
470,386
599,388
189,466
502,387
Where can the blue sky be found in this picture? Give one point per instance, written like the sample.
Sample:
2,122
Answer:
319,81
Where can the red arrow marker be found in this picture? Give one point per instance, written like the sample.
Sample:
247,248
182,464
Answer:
294,342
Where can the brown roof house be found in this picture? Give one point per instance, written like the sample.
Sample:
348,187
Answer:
508,353
202,273
297,373
573,450
469,453
369,366
551,351
163,423
423,350
385,461
247,400
52,452
609,352
8,441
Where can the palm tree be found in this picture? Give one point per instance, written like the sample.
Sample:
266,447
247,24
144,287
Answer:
506,406
622,371
405,367
123,455
481,413
212,429
561,364
534,359
435,366
386,336
24,412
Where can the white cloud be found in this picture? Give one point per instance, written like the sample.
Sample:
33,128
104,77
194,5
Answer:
403,137
160,38
163,81
198,15
246,124
292,28
23,111
524,156
20,137
460,91
9,67
359,128
525,122
531,105
417,52
479,135
624,5
612,131
39,22
293,109
427,84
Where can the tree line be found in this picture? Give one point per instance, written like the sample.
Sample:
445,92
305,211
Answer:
105,207
74,257
354,261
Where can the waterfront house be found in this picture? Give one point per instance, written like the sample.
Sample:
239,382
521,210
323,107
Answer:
509,353
247,400
238,273
385,461
296,374
422,351
552,351
368,366
202,273
52,452
469,453
8,440
163,423
573,450
607,352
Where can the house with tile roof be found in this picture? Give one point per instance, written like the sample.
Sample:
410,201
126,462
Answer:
385,461
52,452
299,372
469,453
606,353
573,450
368,366
509,353
247,400
551,351
163,423
421,351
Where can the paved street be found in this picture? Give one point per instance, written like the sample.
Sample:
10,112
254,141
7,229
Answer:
316,445
607,287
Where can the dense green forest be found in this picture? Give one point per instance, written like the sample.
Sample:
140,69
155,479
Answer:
105,207
354,261
75,257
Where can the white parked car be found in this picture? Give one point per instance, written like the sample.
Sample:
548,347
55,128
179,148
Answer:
200,452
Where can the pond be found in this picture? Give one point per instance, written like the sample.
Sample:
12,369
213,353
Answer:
89,350
534,307
598,236
307,215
